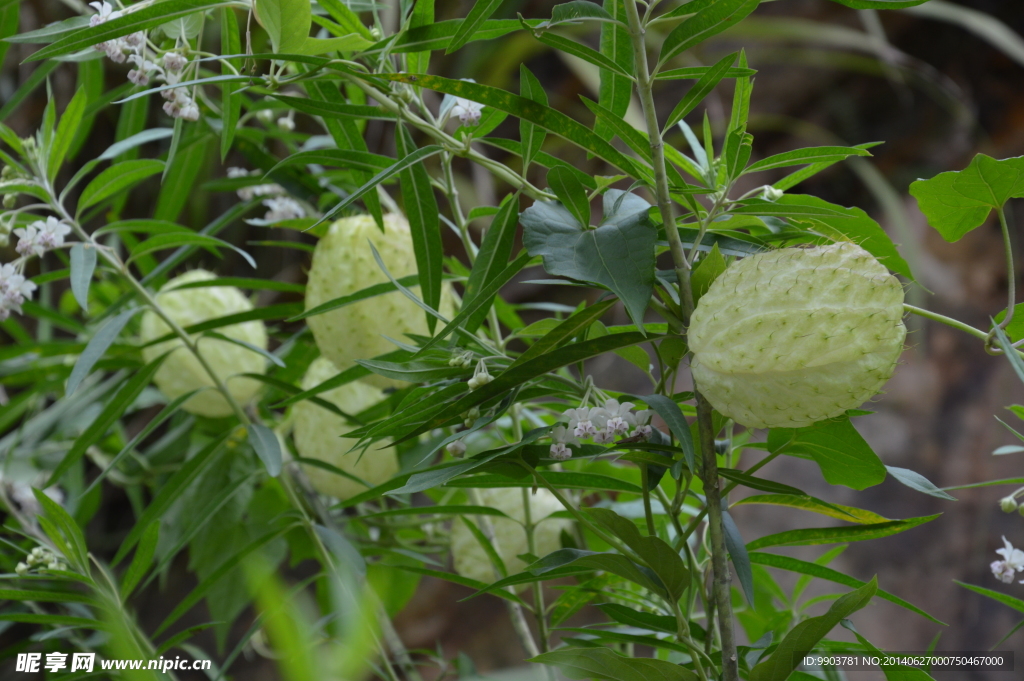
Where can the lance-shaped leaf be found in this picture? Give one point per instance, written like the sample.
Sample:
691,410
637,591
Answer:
804,636
618,254
481,12
603,663
838,535
661,558
495,250
615,90
550,119
710,21
958,201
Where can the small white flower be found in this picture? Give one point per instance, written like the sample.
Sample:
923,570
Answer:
136,41
283,208
772,194
115,50
52,232
604,437
584,429
613,409
1012,563
561,435
174,62
618,425
644,432
456,448
138,77
467,111
190,112
28,241
560,452
14,290
104,12
285,123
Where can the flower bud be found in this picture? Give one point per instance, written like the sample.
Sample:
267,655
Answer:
1008,504
772,194
21,569
10,200
456,448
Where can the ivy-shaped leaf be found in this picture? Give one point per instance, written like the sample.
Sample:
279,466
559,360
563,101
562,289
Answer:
618,254
958,201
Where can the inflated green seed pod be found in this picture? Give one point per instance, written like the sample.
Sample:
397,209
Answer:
470,559
318,432
344,264
789,337
182,371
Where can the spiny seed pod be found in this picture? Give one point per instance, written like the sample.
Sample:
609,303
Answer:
318,432
797,335
343,264
469,557
182,371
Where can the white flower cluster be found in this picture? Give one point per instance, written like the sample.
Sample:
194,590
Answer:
1010,565
168,68
40,556
40,237
600,424
281,207
33,240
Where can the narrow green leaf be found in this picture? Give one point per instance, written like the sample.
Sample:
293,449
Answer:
668,410
53,620
571,193
341,158
424,223
83,264
340,109
801,156
701,89
603,663
481,12
531,135
481,300
580,51
1015,603
568,328
231,100
593,482
182,172
171,491
821,572
492,259
113,411
804,636
708,22
267,447
96,348
614,90
79,555
226,567
116,179
738,553
162,242
70,120
538,366
142,560
839,535
422,15
916,481
409,160
657,554
363,294
130,22
550,119
707,270
815,505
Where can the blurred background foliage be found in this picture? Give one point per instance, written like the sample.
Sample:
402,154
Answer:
936,83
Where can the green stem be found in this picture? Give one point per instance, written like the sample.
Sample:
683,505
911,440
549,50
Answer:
1011,277
948,321
720,565
648,512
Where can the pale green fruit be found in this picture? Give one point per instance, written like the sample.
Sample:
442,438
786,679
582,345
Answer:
343,264
318,434
789,337
469,557
182,371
